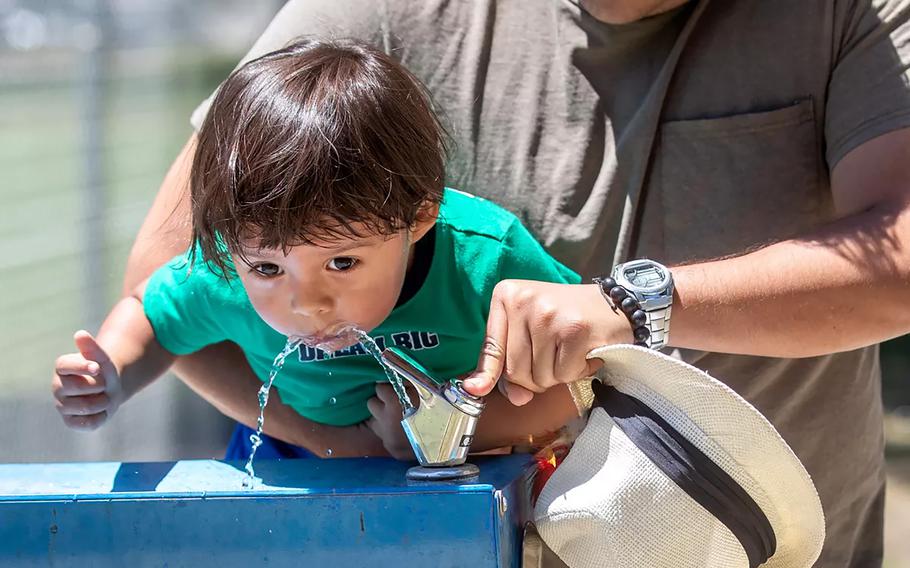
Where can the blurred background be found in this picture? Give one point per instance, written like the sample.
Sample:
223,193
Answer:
95,98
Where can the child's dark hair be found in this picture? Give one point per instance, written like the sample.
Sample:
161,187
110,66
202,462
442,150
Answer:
303,143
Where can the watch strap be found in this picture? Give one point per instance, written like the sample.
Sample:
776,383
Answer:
650,327
659,325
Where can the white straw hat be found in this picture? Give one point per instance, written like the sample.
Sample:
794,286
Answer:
684,473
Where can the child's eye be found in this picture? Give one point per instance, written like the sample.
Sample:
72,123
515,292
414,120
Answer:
342,263
266,269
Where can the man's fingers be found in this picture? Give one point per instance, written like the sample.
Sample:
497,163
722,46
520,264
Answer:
543,371
492,358
594,365
519,357
83,405
571,362
86,423
517,395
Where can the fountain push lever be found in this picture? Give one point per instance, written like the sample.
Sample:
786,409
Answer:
441,428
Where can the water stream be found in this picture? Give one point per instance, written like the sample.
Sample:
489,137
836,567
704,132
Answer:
256,438
370,345
292,344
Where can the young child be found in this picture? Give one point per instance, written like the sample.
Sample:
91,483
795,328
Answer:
318,207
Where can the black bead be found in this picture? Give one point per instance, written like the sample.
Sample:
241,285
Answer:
638,318
641,333
618,293
629,305
641,343
608,283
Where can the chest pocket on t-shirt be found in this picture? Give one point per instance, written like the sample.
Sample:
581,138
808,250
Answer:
721,186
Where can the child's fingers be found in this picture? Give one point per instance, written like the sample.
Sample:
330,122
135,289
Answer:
86,423
76,364
386,393
89,348
371,423
375,406
83,405
64,385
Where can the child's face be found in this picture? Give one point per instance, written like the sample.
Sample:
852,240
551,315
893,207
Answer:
319,292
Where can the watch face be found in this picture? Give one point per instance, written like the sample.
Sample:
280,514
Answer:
646,276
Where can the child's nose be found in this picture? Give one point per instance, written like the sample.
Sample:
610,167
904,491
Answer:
311,302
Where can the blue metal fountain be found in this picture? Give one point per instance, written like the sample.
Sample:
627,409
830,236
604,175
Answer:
342,512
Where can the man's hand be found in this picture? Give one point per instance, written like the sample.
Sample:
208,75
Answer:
538,335
386,421
86,385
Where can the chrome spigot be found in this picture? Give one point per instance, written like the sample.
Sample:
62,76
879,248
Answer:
441,428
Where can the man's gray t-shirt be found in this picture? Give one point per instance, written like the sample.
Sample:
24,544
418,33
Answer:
697,134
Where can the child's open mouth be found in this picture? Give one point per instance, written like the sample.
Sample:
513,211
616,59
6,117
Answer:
332,341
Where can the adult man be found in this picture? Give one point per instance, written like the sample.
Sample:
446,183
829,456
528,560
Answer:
682,132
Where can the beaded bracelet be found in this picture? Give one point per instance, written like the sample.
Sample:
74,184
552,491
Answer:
617,295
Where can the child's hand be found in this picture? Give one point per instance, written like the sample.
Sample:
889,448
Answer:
86,385
386,421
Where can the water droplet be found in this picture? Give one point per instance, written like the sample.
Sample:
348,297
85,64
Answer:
333,400
329,452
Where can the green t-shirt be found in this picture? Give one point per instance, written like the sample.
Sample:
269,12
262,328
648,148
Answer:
477,244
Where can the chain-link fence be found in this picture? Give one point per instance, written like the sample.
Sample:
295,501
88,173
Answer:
95,97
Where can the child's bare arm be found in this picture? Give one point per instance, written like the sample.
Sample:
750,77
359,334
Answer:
92,383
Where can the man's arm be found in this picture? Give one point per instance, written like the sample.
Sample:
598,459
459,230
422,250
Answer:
844,286
841,287
166,231
534,424
220,374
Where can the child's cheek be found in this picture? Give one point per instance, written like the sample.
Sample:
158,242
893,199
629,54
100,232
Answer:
264,305
364,310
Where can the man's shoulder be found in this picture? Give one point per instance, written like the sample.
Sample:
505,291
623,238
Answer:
382,22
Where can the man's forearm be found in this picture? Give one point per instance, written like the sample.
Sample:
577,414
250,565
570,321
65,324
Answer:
221,375
843,287
535,423
165,232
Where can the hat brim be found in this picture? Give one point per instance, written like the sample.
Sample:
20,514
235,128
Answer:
733,434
